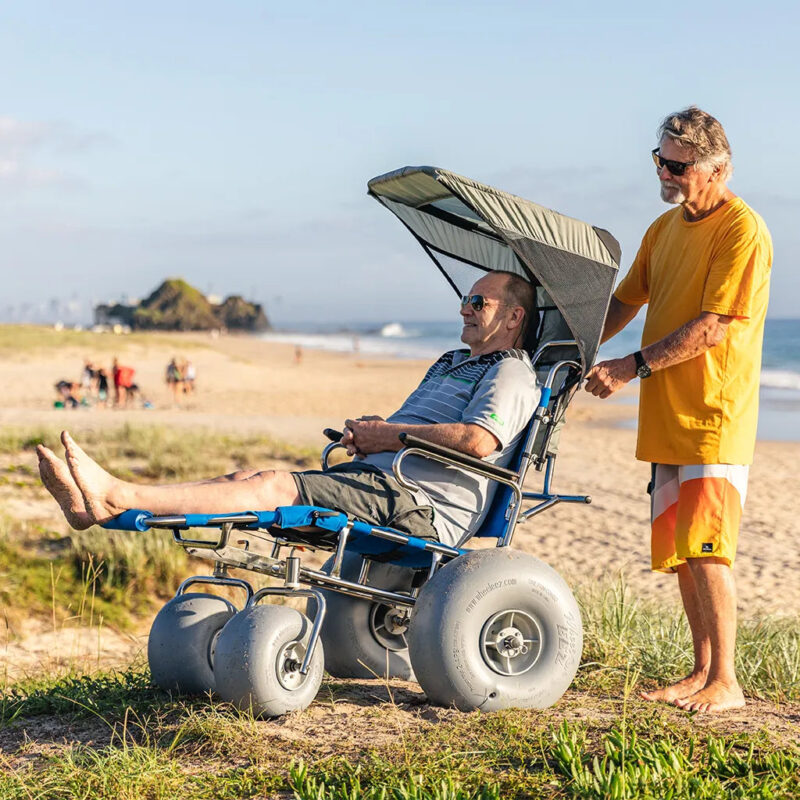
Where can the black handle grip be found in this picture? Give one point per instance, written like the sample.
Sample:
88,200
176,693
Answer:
461,458
333,435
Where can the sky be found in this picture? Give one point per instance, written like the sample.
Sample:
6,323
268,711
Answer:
230,143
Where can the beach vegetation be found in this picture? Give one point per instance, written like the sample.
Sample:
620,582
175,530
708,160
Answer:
157,452
73,727
23,340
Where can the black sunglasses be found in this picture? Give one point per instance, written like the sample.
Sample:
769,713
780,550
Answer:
477,301
675,167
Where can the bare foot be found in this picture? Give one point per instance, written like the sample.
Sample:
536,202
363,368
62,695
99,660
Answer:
712,698
683,688
58,481
95,484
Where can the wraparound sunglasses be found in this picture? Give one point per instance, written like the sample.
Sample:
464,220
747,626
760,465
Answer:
477,301
675,167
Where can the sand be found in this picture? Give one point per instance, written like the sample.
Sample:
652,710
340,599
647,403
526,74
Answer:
248,385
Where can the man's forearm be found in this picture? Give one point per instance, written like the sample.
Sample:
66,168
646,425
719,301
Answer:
689,341
379,436
466,438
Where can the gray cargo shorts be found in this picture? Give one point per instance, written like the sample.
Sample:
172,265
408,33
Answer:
366,493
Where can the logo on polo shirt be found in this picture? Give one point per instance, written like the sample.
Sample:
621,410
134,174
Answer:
707,547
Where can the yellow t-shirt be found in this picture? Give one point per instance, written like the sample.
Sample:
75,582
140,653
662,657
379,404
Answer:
705,410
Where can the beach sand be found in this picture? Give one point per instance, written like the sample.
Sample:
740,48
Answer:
245,385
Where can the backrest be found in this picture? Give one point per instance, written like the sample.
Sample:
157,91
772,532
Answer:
493,523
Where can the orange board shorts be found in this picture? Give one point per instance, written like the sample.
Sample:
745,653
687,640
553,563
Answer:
695,511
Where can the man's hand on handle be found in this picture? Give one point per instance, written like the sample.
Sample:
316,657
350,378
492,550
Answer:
606,377
366,435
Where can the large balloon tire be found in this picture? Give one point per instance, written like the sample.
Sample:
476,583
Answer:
495,629
180,648
256,661
365,638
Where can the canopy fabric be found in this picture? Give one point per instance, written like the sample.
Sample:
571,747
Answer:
574,262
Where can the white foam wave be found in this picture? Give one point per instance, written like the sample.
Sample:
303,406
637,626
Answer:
394,330
780,379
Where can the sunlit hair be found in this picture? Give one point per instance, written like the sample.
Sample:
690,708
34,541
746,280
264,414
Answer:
518,292
698,130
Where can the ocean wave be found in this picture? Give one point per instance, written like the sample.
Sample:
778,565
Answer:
780,379
394,330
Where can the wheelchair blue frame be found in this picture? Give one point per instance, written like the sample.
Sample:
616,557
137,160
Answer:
327,529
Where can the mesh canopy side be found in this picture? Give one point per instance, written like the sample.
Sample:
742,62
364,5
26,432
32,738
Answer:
581,289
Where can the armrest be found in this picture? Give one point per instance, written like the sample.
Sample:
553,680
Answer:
462,459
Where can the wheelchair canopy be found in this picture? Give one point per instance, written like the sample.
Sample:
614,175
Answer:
466,226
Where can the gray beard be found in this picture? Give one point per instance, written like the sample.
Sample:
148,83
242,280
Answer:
672,194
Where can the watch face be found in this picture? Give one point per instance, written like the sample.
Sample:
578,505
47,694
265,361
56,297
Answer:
643,371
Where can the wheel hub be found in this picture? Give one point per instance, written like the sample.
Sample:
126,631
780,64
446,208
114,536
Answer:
511,642
290,659
389,625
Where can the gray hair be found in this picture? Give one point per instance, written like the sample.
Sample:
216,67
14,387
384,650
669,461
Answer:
698,130
519,292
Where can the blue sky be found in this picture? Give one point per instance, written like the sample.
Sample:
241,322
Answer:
230,143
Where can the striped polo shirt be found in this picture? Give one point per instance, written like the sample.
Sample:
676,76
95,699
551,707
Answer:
497,391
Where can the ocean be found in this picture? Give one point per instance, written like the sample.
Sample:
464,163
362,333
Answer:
780,374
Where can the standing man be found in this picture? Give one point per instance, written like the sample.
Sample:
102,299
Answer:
703,269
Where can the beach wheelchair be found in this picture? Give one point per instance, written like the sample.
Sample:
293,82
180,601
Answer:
487,628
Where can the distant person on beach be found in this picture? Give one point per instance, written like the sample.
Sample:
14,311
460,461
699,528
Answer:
298,355
477,402
189,377
68,393
89,380
123,380
703,268
102,386
174,380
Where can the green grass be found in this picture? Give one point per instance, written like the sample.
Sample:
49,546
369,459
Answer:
155,746
622,632
16,339
153,452
89,578
111,734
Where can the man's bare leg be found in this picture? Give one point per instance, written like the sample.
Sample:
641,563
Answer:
105,496
701,644
716,591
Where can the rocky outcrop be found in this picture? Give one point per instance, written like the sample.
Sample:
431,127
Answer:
177,306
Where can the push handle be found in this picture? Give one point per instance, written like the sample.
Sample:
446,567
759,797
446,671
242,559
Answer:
333,434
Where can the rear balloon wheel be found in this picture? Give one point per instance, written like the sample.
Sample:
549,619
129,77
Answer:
365,638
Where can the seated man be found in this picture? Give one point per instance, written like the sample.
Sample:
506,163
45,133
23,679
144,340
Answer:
478,402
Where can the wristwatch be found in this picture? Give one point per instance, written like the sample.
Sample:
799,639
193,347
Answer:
642,367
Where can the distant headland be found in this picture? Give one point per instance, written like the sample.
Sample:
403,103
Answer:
177,306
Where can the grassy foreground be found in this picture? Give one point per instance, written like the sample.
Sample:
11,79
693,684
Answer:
81,732
112,735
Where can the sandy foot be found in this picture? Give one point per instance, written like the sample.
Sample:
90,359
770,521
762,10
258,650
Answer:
58,481
676,691
95,484
713,698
